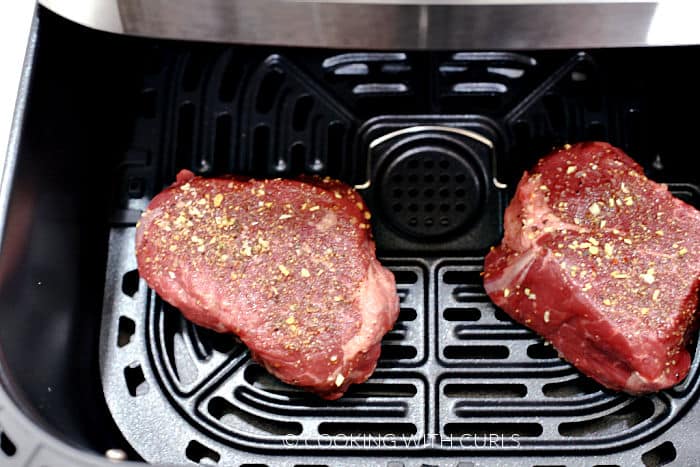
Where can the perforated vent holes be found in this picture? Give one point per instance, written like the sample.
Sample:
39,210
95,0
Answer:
7,447
431,182
484,377
431,191
200,454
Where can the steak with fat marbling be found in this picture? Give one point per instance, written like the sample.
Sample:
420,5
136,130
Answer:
604,263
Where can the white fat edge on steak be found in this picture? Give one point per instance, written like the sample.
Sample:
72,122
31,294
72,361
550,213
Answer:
372,295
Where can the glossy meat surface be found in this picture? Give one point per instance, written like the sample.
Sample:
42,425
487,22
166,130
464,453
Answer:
288,266
604,263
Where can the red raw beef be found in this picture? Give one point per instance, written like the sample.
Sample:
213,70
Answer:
604,263
288,266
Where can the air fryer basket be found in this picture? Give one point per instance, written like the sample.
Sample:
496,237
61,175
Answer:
435,141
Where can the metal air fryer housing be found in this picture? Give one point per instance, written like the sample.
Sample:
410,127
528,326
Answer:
396,24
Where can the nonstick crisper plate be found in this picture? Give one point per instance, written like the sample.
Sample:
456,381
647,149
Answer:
458,382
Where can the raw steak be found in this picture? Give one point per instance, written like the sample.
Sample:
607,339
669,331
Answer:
288,266
604,263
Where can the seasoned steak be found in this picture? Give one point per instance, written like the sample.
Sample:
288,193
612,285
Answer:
288,266
604,263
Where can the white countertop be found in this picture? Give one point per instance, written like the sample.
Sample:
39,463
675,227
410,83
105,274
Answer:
15,22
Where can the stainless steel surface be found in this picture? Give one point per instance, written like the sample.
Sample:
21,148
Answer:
15,23
97,14
397,24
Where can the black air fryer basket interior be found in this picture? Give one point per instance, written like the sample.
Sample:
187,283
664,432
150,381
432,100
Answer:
95,360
